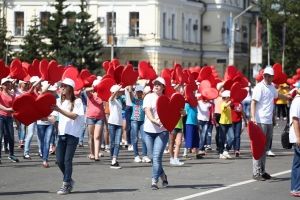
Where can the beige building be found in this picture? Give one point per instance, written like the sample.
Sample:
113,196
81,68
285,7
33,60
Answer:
189,32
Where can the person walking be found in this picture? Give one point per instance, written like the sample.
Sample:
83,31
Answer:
156,135
70,115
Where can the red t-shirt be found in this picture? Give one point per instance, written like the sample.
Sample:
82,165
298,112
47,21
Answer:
236,112
7,101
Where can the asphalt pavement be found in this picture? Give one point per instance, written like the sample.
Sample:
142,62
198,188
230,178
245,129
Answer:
207,179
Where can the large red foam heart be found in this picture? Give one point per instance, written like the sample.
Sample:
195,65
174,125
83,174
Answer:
111,71
209,93
105,65
257,140
87,77
190,95
203,85
146,71
118,73
129,76
164,105
103,88
16,70
237,93
43,67
169,90
55,72
204,73
166,74
71,72
230,72
4,71
115,62
33,69
227,84
29,109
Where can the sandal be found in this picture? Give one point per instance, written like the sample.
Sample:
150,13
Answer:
91,157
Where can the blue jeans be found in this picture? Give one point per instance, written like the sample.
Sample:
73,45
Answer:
44,135
137,126
115,133
21,131
31,129
53,139
226,137
156,144
6,128
237,130
209,133
128,113
203,125
295,174
65,151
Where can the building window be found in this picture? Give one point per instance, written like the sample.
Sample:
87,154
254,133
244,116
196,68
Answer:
44,19
173,27
195,29
134,24
19,23
189,29
111,27
164,25
71,18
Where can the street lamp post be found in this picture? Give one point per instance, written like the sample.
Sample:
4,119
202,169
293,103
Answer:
232,41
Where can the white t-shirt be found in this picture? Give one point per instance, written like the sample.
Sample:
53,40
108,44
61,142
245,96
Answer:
150,102
127,98
264,96
294,112
67,125
41,122
203,110
115,116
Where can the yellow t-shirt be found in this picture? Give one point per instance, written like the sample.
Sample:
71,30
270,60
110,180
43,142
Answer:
284,92
225,114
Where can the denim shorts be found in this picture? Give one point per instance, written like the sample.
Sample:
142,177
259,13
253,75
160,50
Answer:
93,121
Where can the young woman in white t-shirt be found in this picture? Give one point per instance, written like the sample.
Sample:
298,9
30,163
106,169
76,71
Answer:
70,120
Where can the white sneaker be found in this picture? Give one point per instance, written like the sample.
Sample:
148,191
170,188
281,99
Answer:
145,159
137,159
172,161
270,153
226,154
166,151
101,154
130,148
177,162
222,156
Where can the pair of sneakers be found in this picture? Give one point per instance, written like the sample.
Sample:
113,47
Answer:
176,162
164,183
66,187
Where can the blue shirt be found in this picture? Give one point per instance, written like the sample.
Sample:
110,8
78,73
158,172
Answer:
138,113
191,114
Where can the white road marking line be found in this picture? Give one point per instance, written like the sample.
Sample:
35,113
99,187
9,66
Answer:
228,187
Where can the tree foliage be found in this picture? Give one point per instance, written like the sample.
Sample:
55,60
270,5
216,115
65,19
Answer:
4,40
283,13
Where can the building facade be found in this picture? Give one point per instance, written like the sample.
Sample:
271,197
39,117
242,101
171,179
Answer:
189,32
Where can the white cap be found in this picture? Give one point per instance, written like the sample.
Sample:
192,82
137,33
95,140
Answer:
4,80
269,70
70,82
34,79
115,88
96,82
139,88
53,87
220,85
159,79
225,93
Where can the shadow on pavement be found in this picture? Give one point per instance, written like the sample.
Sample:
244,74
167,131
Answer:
23,192
105,191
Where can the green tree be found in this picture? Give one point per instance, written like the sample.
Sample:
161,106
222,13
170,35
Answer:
4,40
33,46
85,48
56,32
283,13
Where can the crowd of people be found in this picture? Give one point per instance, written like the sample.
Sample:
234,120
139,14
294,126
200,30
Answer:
130,117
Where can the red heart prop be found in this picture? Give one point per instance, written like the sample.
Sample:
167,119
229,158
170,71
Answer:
195,69
237,93
169,90
34,69
204,73
129,76
146,71
105,65
209,93
111,71
71,72
118,73
103,88
55,72
190,96
16,70
4,71
230,72
257,140
203,85
164,105
166,74
44,69
78,84
87,77
115,62
227,84
37,107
